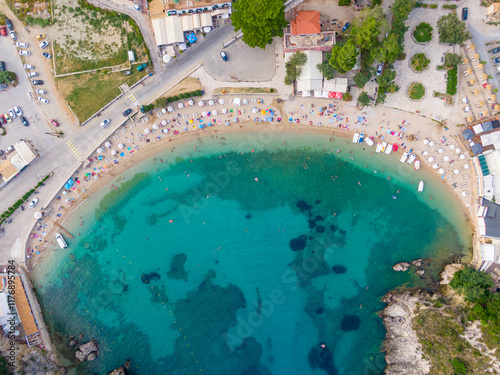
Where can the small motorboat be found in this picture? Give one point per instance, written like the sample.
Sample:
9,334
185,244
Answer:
361,137
384,145
404,157
421,186
388,149
355,138
417,165
379,148
411,159
368,141
60,241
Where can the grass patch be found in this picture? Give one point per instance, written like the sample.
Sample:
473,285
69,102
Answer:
419,62
420,5
188,84
244,90
452,81
416,91
2,19
423,33
450,6
22,8
87,93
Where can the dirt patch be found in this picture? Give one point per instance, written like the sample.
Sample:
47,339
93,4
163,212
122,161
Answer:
189,84
244,90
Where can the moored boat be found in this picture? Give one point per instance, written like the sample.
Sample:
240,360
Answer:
411,159
361,137
388,149
60,241
384,145
368,141
379,148
417,165
421,186
355,138
404,157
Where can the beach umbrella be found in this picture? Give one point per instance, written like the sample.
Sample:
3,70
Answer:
440,150
170,109
472,81
472,47
476,91
121,146
180,105
211,102
182,46
164,122
426,141
435,166
191,121
113,152
190,102
204,113
469,71
201,103
497,107
163,110
214,112
476,56
458,151
227,123
99,150
456,171
462,156
441,171
446,158
481,103
200,126
480,67
488,87
467,109
147,131
425,153
464,193
431,143
263,111
38,215
469,119
107,144
155,127
485,76
221,101
466,60
452,147
224,110
493,97
466,166
254,110
464,99
430,159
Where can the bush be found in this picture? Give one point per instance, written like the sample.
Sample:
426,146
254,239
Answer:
423,33
451,82
347,97
375,3
459,366
449,6
416,91
419,62
361,78
344,3
434,6
420,5
170,99
175,98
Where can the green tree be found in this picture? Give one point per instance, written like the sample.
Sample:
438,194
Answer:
344,57
259,20
459,366
377,12
472,284
389,50
364,99
452,30
326,68
160,102
361,78
452,59
7,77
294,66
366,36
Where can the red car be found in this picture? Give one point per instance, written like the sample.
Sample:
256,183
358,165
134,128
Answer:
2,120
54,123
3,30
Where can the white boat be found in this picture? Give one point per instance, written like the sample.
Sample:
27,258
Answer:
421,186
417,165
60,241
384,145
388,149
411,159
379,148
404,157
355,138
368,141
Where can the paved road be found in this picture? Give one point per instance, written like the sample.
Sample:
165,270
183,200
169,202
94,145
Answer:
63,162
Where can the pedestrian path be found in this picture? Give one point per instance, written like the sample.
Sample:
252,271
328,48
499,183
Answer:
73,148
134,100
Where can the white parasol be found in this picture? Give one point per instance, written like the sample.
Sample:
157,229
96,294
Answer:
221,101
155,127
38,215
452,147
431,143
435,166
170,109
99,150
426,141
441,171
211,102
201,103
255,110
446,158
224,110
456,171
458,151
180,105
164,122
245,101
464,193
462,156
214,112
430,159
163,110
440,150
204,113
113,152
121,146
147,131
466,166
425,153
191,102
107,144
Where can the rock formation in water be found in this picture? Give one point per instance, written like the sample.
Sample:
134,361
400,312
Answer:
122,370
403,350
88,351
401,266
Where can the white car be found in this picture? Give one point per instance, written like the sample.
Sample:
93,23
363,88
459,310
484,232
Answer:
43,100
24,53
22,45
18,111
32,74
33,202
44,44
105,123
40,91
28,66
12,114
13,35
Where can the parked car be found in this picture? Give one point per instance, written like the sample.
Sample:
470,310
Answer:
7,117
54,123
127,112
13,35
47,55
37,82
9,24
465,13
24,53
223,55
43,100
24,121
380,68
496,60
137,7
2,120
33,202
12,114
22,45
495,50
44,44
346,26
2,66
3,30
18,111
32,74
40,91
105,123
28,66
40,36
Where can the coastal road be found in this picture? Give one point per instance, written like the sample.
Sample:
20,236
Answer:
63,161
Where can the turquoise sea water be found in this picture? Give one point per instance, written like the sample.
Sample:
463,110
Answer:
247,256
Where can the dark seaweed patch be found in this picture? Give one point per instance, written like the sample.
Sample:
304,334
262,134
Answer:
312,223
320,229
339,269
303,206
146,278
248,215
350,323
299,243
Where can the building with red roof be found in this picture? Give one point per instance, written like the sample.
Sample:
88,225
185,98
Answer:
305,22
304,33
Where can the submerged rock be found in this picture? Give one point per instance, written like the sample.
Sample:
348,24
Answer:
177,271
420,272
312,223
248,215
299,243
350,323
401,266
303,206
321,357
88,351
73,343
338,269
146,278
320,229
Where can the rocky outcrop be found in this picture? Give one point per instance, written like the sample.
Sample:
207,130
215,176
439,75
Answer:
449,272
88,351
122,370
401,266
403,350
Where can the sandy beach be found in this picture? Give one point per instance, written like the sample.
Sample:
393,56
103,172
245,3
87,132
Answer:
143,138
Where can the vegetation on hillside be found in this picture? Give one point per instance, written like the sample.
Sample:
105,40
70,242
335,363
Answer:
452,30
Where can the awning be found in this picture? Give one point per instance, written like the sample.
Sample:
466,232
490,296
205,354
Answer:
69,184
468,134
478,128
476,148
206,19
187,23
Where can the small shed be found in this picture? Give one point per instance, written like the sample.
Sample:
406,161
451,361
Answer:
131,56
